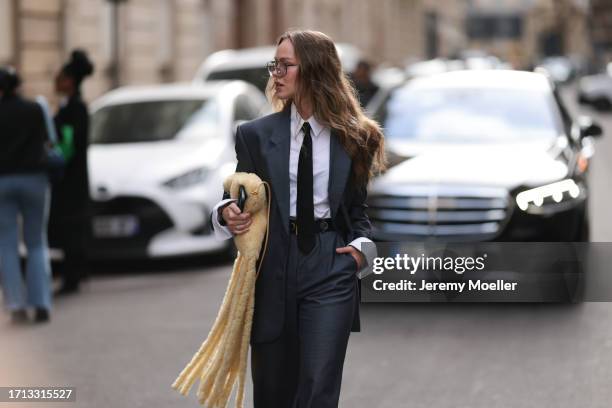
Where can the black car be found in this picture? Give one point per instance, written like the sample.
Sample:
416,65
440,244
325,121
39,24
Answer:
488,155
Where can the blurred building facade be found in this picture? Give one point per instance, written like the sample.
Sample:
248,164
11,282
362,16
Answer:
518,31
153,41
385,30
130,42
601,30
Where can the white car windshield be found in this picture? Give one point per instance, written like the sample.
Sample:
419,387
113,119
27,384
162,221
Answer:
257,76
151,121
465,115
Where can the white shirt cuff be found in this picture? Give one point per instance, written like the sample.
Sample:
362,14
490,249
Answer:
369,251
221,232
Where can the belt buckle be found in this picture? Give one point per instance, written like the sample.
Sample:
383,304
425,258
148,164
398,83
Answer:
323,225
295,228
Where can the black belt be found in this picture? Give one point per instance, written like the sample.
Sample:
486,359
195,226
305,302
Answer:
321,225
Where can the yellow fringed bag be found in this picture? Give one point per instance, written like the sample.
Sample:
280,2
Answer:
221,360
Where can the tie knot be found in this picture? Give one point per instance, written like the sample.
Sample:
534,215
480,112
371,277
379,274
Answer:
306,128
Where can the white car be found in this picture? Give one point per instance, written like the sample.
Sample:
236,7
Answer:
468,60
596,90
559,68
248,64
158,156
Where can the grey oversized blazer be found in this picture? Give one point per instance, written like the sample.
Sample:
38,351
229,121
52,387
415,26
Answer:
262,147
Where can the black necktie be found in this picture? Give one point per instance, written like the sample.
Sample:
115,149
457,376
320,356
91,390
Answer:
305,205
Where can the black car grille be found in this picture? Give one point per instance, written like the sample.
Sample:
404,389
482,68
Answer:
451,212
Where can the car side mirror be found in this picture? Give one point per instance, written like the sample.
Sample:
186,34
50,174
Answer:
588,127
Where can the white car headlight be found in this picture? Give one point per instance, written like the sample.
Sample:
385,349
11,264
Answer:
188,179
561,190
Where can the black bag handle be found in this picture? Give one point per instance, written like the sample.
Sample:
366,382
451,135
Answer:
242,197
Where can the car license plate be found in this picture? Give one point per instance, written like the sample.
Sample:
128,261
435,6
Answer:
115,226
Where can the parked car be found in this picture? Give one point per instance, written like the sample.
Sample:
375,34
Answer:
561,69
480,59
596,90
157,160
489,155
386,79
248,64
465,60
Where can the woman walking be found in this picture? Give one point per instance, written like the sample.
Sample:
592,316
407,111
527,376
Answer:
24,191
318,152
69,220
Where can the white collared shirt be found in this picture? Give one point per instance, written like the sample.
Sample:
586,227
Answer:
321,137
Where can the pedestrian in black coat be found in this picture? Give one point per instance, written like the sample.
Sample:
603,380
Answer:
70,204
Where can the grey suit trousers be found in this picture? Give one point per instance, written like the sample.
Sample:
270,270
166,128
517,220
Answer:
303,367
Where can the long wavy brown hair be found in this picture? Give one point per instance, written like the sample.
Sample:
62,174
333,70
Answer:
322,83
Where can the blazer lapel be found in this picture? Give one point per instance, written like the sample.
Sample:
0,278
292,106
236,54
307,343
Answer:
339,168
277,159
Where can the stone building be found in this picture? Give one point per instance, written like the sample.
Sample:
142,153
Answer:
138,41
153,41
519,31
601,30
385,30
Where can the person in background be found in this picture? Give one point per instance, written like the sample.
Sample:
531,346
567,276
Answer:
362,78
70,203
24,190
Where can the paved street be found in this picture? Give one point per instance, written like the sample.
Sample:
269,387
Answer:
122,342
125,338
